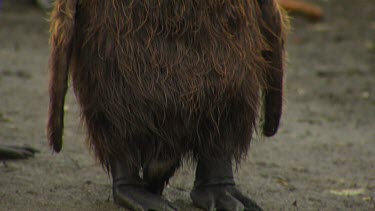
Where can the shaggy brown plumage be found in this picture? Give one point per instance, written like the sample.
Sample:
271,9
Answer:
166,79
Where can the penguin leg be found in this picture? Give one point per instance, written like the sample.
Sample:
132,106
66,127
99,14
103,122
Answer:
130,191
215,189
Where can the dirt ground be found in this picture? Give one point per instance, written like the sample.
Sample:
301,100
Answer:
323,157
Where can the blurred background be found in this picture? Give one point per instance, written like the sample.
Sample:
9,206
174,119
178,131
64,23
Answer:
323,157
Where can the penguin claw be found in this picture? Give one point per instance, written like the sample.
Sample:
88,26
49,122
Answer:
222,197
140,199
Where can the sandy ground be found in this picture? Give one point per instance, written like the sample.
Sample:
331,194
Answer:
323,158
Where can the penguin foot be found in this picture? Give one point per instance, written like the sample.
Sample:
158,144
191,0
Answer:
222,197
16,152
139,198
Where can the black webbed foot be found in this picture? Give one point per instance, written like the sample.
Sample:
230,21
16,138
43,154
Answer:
131,191
214,188
16,152
222,197
139,198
